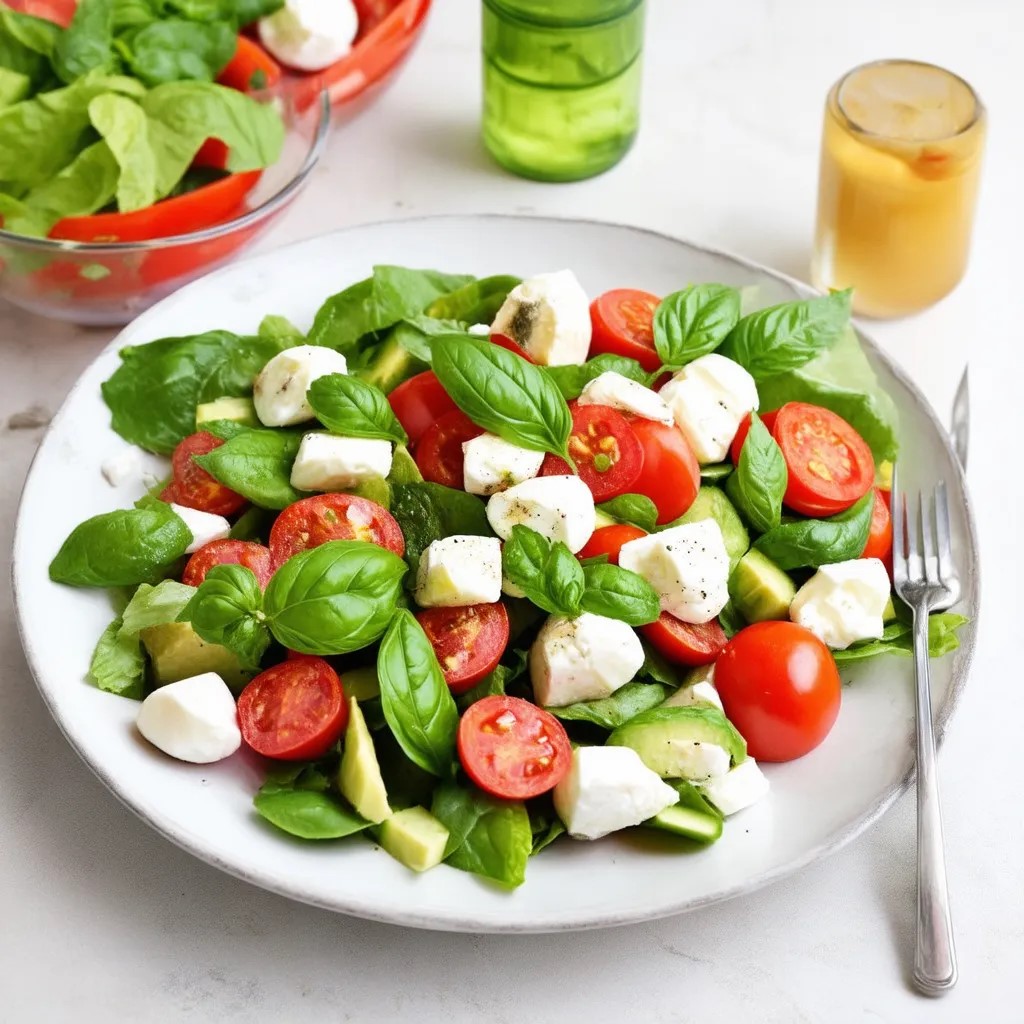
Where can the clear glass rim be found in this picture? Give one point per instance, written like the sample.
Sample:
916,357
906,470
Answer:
837,90
253,216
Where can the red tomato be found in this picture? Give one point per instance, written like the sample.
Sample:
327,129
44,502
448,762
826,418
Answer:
229,552
420,402
250,68
879,543
670,476
169,494
767,418
513,346
608,540
295,711
194,487
780,687
607,454
512,748
830,465
468,641
372,12
439,451
623,324
314,521
687,643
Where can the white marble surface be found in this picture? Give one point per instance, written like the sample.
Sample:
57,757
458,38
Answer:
102,920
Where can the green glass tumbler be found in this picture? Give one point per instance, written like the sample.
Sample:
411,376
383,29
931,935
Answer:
561,84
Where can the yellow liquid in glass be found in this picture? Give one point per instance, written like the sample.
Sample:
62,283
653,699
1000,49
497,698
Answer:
900,160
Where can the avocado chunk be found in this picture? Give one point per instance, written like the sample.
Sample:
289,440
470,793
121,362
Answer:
377,489
392,364
359,776
403,467
238,410
176,652
759,589
361,683
889,612
692,817
712,503
414,837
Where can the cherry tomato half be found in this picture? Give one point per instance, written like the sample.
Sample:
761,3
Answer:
767,418
622,322
295,711
468,641
193,486
438,453
686,643
512,748
229,552
608,540
879,543
420,402
314,521
780,687
607,454
670,476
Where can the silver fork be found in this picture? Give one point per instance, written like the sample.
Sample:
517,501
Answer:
925,577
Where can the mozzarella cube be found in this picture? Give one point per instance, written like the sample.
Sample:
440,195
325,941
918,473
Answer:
843,602
739,788
205,526
193,719
709,399
702,694
608,788
279,393
699,762
687,565
310,35
329,463
549,316
584,658
459,570
491,464
560,508
618,392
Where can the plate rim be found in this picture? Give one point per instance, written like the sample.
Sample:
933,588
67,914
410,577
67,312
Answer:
458,921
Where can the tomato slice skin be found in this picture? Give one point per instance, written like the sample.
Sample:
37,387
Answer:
670,476
686,643
608,540
193,486
438,452
513,749
468,641
622,324
310,522
830,465
767,418
780,687
879,543
606,451
420,402
294,711
247,553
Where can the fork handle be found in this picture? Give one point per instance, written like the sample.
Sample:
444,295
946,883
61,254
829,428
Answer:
935,970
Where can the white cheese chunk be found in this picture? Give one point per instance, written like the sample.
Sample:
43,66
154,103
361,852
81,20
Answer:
700,694
609,788
843,602
205,526
549,316
560,508
328,463
739,788
193,719
709,399
119,468
459,570
618,392
584,658
279,393
688,566
492,464
699,762
310,35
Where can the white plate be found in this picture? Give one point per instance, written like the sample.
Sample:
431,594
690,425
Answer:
817,804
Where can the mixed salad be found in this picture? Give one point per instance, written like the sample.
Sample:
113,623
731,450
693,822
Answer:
478,562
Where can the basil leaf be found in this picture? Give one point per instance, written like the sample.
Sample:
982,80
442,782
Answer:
785,337
503,393
730,620
418,706
226,610
620,594
759,483
476,302
715,474
497,681
176,50
487,837
814,542
256,464
416,334
635,509
280,331
119,549
548,574
427,512
657,668
234,374
347,406
118,664
87,42
610,712
545,832
693,322
308,814
573,378
27,45
898,639
335,598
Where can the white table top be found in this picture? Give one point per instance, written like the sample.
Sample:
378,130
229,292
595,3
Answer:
104,920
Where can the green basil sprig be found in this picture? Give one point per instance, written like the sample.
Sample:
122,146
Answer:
610,712
503,393
308,813
618,593
635,509
348,406
258,465
814,542
572,378
227,610
693,322
759,483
